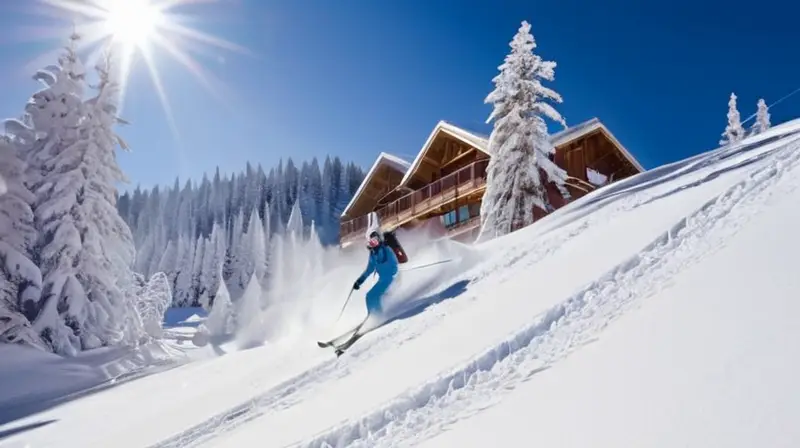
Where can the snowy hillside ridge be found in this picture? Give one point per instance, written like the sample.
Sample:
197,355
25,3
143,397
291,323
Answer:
463,391
513,359
510,335
425,284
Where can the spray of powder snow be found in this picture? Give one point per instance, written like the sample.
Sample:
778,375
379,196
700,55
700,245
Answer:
305,292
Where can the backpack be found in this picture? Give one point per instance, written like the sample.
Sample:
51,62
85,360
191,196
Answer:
391,240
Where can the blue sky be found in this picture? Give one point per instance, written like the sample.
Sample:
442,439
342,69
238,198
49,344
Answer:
353,78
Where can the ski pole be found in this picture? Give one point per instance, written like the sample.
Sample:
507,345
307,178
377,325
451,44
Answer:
345,304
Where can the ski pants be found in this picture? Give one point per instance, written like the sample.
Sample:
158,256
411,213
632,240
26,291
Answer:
376,293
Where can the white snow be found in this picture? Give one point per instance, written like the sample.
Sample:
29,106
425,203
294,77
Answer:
595,177
656,311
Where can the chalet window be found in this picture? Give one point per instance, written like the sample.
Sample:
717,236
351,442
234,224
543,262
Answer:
463,213
475,209
449,218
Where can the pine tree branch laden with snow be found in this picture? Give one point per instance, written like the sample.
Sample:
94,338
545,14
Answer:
520,146
20,278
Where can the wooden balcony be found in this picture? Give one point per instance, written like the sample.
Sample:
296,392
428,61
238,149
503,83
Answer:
464,182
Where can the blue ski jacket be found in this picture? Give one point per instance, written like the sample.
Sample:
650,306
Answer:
381,260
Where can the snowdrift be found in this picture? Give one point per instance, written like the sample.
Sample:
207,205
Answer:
656,311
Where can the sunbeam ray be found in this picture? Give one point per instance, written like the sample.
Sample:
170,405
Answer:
162,95
206,38
131,28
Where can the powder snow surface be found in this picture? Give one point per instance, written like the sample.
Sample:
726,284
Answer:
658,311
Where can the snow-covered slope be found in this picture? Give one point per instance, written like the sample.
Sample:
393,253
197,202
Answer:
658,311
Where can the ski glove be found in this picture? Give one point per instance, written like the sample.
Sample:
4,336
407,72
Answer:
357,285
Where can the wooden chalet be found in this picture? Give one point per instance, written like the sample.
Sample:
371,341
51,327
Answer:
447,179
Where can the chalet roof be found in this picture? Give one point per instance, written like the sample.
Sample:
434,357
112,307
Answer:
481,141
383,159
589,126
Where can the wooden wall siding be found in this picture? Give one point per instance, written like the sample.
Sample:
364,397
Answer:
444,156
597,152
384,180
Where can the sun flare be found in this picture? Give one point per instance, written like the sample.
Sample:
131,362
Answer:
133,22
135,30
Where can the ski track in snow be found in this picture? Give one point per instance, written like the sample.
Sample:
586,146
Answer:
427,410
293,390
466,390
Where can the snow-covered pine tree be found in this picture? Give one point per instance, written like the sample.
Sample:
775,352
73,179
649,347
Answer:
220,319
198,285
53,114
277,269
328,218
258,250
519,142
168,262
251,254
267,237
213,258
86,248
183,279
294,226
20,278
762,118
734,131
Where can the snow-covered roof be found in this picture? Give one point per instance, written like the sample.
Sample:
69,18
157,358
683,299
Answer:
383,159
474,139
589,126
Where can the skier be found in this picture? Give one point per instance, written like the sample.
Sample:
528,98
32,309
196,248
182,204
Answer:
383,261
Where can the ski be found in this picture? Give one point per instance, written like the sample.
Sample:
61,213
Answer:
340,349
332,342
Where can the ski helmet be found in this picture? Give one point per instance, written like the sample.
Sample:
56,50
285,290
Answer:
373,233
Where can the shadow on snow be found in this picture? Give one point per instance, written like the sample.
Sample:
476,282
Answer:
5,433
414,307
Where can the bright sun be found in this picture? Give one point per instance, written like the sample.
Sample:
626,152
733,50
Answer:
137,29
133,22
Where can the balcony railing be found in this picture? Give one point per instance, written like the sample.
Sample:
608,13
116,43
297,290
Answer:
462,182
